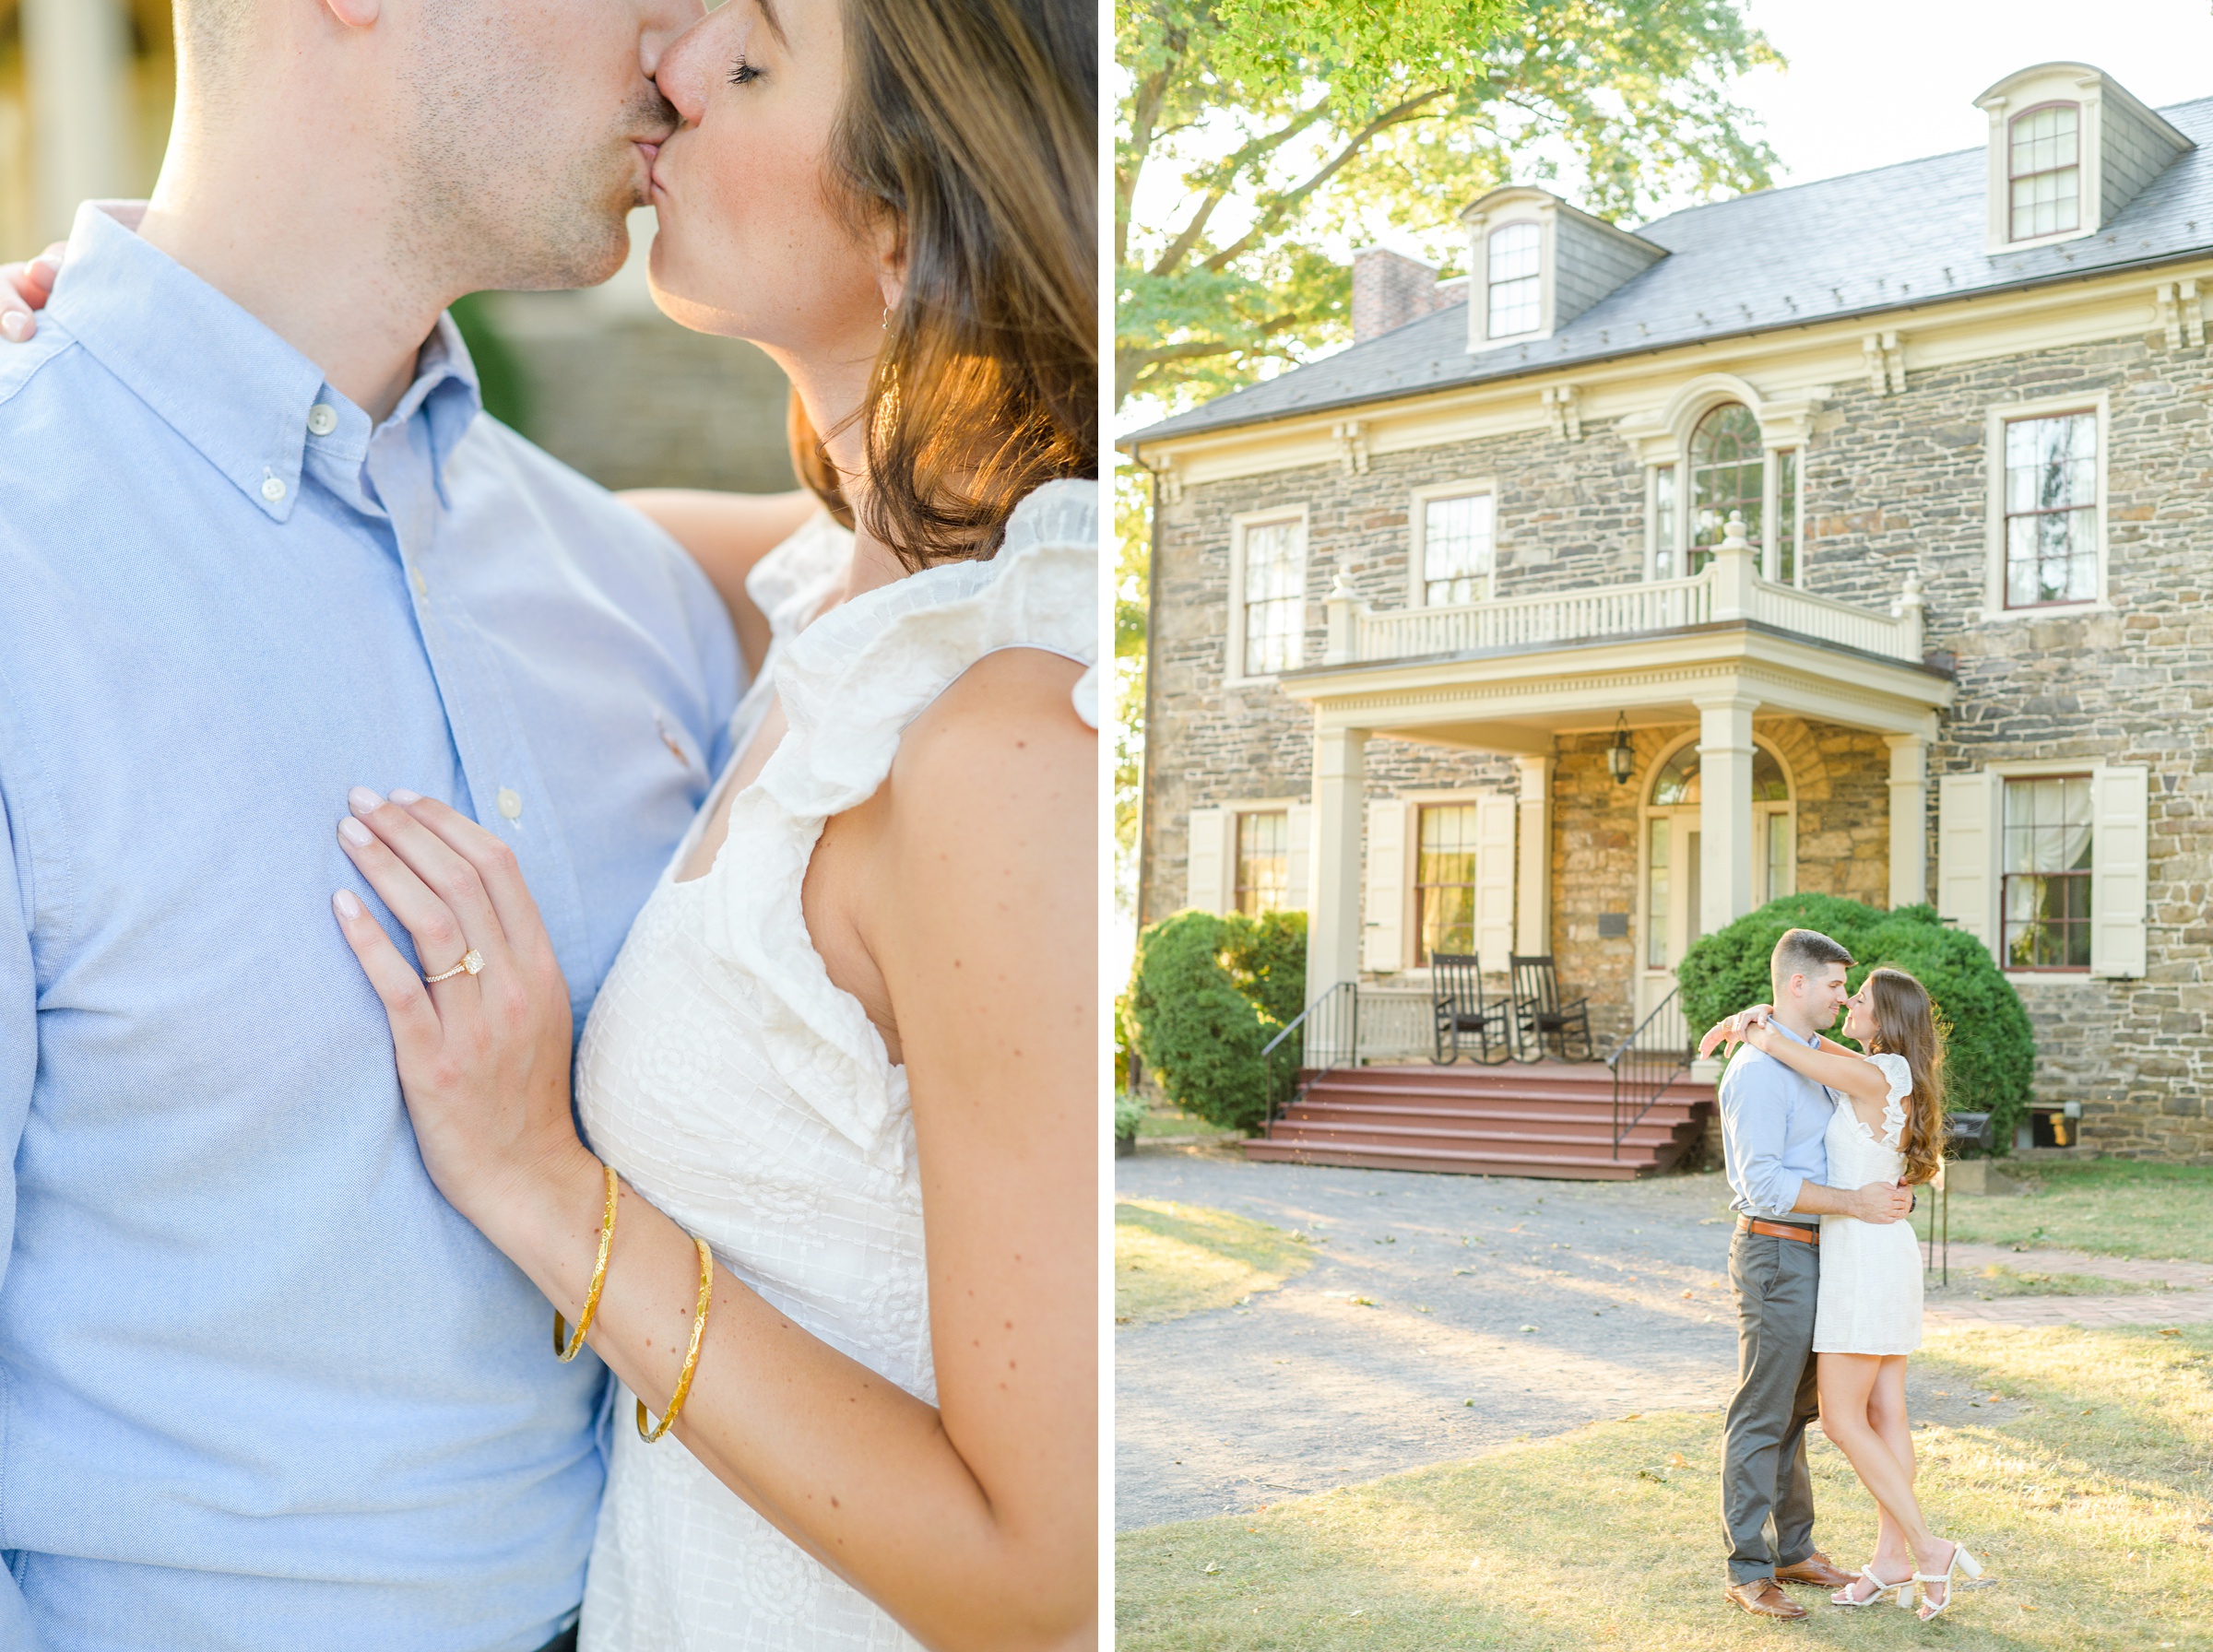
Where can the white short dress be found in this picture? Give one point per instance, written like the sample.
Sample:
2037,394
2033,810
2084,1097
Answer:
1870,1297
740,1091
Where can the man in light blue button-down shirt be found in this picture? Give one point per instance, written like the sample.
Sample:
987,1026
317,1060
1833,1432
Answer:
1773,1122
261,1388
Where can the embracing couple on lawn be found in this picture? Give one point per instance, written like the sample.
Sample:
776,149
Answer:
1823,1146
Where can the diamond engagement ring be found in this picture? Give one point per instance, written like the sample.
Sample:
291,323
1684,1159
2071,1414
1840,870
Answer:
471,962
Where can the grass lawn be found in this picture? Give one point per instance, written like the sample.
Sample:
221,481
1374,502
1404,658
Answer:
2113,1206
1173,1259
2085,1494
1171,1121
1997,1279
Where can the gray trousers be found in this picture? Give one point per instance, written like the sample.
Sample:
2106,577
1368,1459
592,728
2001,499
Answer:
1765,1484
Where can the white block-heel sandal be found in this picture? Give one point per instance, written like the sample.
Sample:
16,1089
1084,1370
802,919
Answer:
1901,1589
1962,1562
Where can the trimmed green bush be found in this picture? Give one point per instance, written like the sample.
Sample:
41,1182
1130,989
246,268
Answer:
1990,1051
1128,1113
1208,993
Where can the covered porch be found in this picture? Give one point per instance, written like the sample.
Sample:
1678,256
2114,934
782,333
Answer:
1703,682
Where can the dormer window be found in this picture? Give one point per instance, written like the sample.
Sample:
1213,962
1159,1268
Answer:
1516,300
2042,171
2069,150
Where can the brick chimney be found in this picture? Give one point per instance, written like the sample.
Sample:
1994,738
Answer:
1391,290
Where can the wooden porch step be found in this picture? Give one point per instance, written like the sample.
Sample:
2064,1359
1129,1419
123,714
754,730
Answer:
1547,1119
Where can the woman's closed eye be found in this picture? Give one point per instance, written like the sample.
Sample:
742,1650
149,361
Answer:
744,72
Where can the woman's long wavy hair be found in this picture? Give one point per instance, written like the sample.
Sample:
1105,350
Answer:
1905,1024
972,125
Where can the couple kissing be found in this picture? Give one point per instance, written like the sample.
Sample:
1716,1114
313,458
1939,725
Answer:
1823,1146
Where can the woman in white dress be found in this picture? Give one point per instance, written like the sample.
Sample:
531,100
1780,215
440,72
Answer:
850,1044
1888,1126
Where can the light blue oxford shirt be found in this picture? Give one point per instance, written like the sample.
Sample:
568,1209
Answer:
1774,1122
261,1388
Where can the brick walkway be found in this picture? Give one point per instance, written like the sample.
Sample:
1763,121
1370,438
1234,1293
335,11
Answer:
2189,1301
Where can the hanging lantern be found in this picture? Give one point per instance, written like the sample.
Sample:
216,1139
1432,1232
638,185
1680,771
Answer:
1621,758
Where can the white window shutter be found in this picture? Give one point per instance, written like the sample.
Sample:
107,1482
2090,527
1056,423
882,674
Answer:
1298,857
1495,880
2120,868
1383,935
1206,860
1967,853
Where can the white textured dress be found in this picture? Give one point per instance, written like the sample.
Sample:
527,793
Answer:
1870,1296
741,1092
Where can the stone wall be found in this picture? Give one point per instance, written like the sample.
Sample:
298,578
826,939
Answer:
1895,483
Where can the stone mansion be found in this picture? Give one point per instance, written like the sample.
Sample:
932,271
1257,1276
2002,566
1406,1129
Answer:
1853,538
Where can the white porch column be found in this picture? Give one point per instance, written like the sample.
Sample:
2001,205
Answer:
1333,917
1725,847
1909,818
73,56
1532,858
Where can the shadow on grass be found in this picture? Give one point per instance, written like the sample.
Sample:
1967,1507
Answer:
2086,1496
1172,1259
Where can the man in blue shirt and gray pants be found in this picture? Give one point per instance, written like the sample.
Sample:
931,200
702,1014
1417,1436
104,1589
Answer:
261,1388
1773,1122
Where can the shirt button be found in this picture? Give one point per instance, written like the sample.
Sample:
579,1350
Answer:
272,489
511,803
322,419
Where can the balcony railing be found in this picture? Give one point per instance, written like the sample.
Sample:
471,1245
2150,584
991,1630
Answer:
1725,589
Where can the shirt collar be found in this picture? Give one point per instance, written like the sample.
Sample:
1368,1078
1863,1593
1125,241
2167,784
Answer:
1812,1044
220,377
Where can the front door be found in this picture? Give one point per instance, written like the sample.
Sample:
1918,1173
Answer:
1669,909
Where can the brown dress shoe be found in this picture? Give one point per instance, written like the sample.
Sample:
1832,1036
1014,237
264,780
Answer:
1762,1598
1814,1570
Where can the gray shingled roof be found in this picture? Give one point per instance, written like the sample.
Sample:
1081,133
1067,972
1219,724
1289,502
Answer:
1859,245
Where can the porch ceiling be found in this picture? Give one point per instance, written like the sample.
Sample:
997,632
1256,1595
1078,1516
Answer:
1519,699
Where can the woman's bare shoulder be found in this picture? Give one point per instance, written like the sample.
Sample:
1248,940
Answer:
1008,716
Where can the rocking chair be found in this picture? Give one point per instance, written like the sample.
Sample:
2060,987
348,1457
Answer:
1456,994
1539,1016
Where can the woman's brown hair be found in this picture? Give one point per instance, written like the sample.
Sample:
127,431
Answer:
1905,1024
972,123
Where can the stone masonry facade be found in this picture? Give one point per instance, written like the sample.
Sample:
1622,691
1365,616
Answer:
1893,483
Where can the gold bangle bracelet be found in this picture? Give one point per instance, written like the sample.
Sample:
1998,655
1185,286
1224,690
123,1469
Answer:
699,1329
591,1297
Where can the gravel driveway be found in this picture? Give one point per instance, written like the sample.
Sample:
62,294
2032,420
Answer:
1549,1304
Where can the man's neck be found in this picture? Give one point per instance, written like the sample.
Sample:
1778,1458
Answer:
1796,1022
299,231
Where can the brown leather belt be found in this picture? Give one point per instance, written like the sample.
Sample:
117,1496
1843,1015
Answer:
1779,1229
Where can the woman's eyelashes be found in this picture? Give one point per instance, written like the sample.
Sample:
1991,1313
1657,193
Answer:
744,72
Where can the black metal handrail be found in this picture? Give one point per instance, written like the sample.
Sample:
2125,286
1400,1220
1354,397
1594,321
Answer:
1648,1061
1328,1031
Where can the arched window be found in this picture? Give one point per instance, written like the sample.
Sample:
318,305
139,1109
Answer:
1727,473
2043,179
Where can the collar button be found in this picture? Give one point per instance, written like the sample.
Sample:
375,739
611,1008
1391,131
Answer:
322,419
272,489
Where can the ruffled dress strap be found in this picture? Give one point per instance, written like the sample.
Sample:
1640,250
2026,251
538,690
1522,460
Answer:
1901,1077
850,684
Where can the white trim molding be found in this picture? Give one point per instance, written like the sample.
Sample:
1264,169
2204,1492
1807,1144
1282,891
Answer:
1994,420
1233,675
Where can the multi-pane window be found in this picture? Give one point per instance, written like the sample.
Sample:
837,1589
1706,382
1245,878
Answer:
2051,509
2042,171
1514,252
1655,897
1728,472
1457,542
1274,597
2047,888
1444,880
1663,522
1776,855
1264,860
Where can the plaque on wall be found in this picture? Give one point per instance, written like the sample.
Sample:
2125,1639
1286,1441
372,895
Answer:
1612,925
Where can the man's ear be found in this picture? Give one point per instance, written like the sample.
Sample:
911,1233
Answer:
354,14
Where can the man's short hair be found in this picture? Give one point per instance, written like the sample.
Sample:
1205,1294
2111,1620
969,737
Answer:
1801,952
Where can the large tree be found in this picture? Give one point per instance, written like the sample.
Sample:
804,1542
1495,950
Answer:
1286,126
